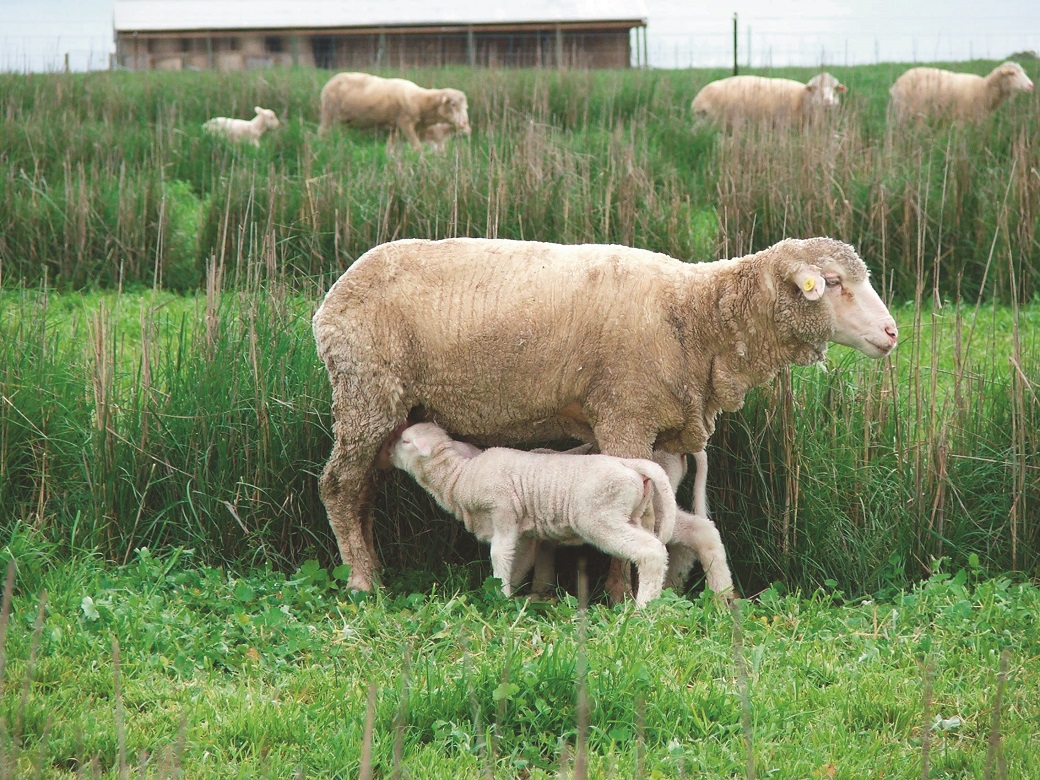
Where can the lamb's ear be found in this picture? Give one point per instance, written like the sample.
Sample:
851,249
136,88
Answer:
258,110
842,88
423,445
810,281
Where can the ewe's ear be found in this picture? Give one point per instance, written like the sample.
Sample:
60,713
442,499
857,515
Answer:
842,88
810,281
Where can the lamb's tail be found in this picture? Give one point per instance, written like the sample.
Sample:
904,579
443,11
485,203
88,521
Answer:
662,497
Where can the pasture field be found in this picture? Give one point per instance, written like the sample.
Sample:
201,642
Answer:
165,668
160,391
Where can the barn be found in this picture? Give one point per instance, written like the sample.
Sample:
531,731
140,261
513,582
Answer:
241,34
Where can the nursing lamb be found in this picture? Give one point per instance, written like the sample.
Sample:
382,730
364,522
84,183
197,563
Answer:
504,342
514,499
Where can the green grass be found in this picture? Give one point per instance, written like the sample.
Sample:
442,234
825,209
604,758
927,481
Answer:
158,420
225,674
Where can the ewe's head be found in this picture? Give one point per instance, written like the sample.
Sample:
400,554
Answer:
454,110
1009,78
823,90
824,294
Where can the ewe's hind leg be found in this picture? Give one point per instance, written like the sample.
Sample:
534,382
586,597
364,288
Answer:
544,567
346,487
350,478
700,535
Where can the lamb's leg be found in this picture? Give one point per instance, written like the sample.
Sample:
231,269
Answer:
680,557
503,551
544,567
618,537
618,436
526,555
699,534
680,562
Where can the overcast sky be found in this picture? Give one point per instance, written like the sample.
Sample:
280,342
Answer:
36,34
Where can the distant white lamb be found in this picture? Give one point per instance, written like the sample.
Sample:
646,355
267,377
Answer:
513,499
242,129
923,92
738,100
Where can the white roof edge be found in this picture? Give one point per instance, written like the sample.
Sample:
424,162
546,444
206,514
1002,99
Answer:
157,15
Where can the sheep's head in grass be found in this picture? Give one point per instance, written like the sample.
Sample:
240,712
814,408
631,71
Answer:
824,89
1010,78
826,295
268,117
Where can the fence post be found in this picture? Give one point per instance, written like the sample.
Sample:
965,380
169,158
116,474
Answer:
734,43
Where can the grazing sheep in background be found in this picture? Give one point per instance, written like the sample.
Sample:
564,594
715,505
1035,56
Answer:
922,92
737,100
506,342
242,129
363,100
513,499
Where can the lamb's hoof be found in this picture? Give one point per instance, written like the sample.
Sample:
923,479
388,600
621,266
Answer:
728,597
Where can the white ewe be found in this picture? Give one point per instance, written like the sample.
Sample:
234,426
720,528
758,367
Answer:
506,342
922,92
738,100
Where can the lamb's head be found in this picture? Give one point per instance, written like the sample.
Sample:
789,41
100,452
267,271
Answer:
453,109
823,90
417,443
824,294
1009,78
421,442
268,118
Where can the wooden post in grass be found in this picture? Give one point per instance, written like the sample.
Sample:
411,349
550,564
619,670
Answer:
735,70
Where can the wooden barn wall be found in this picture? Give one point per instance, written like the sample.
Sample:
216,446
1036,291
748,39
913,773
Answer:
523,49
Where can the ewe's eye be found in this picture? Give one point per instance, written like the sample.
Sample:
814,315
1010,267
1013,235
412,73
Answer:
833,281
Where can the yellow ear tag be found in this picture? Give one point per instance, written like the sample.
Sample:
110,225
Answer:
808,284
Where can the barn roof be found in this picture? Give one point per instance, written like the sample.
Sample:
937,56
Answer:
162,15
